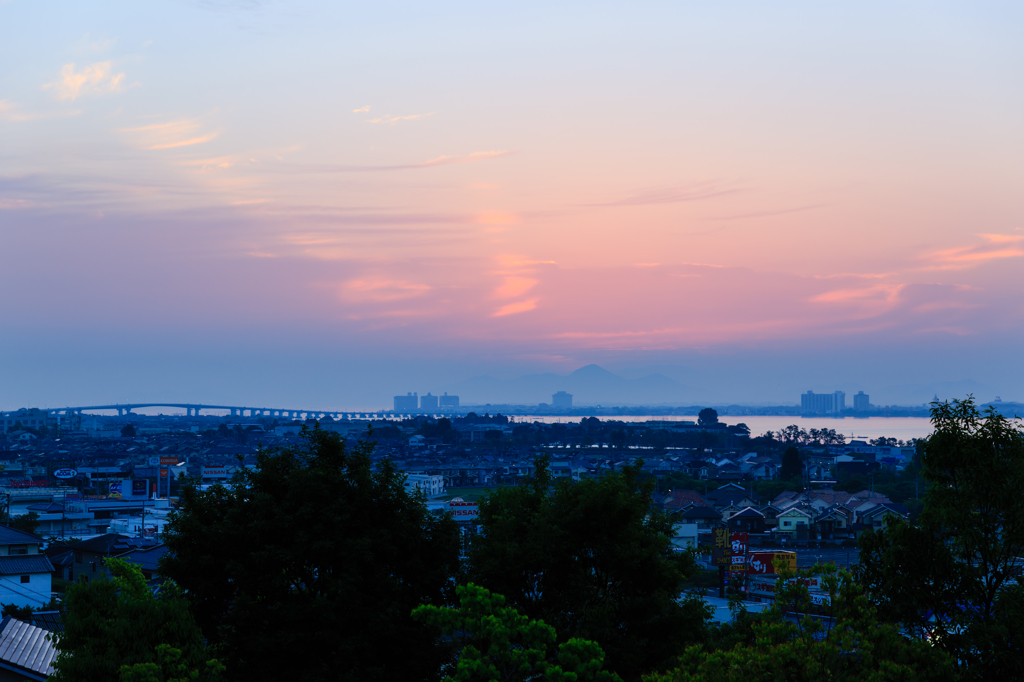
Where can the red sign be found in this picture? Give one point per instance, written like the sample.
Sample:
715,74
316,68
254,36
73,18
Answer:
763,563
739,543
172,460
163,473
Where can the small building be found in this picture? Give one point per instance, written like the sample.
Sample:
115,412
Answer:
794,524
432,485
749,520
25,573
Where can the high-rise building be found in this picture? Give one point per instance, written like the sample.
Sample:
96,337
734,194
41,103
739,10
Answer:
407,403
448,401
823,403
428,403
861,402
561,399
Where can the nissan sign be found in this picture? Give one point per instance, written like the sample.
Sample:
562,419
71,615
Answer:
65,473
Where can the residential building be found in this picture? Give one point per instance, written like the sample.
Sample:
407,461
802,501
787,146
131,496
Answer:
409,402
428,403
432,485
25,573
823,403
448,401
862,402
794,524
561,399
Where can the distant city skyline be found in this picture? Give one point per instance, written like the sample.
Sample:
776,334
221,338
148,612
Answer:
258,203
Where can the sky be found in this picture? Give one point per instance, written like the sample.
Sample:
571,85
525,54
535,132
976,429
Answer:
304,204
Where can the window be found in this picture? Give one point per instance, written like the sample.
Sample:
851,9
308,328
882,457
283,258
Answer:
18,549
78,557
25,578
787,523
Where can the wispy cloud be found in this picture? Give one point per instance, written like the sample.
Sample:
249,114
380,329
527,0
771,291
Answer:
97,78
171,135
388,118
382,290
361,110
430,163
668,195
515,308
768,213
995,247
15,204
13,112
880,293
515,286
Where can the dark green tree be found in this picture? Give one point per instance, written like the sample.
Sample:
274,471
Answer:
953,574
848,644
26,523
118,621
316,554
497,643
707,417
128,431
792,465
593,560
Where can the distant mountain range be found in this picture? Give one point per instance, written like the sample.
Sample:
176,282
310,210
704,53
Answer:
590,385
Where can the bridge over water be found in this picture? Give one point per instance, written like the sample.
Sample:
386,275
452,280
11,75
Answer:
193,410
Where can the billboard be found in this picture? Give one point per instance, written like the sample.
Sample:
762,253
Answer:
168,460
114,491
763,563
216,472
721,549
140,488
739,543
464,512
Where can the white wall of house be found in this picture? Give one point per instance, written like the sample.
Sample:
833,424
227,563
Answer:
35,593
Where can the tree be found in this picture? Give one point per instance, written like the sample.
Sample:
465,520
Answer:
496,642
316,552
171,666
118,621
128,431
792,465
593,560
952,575
848,644
707,417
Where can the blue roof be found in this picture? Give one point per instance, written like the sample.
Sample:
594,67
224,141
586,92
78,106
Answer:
10,536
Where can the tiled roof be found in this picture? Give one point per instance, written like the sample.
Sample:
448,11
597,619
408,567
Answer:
25,563
26,647
10,536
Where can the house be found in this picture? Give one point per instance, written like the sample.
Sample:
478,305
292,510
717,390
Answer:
26,653
25,574
677,500
834,524
794,524
749,520
89,554
732,494
705,517
874,519
147,559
